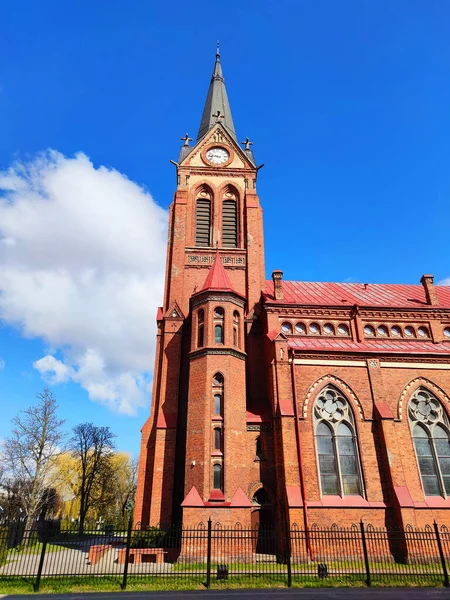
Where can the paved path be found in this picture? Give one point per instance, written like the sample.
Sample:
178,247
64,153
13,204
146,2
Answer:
301,594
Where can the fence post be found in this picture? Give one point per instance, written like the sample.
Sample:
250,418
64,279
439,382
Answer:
366,555
288,554
441,554
127,554
208,556
37,584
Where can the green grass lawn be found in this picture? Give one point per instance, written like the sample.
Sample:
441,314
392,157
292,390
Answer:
53,585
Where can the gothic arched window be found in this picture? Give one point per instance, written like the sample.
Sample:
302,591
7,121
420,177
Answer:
203,220
336,443
430,432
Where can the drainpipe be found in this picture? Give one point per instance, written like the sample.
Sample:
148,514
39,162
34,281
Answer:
300,461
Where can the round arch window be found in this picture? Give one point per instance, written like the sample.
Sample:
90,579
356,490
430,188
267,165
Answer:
286,327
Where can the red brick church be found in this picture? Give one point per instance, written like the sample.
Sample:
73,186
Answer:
272,400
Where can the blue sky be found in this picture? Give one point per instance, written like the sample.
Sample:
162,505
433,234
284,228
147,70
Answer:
348,106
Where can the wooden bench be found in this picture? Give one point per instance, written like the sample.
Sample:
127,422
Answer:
97,552
136,555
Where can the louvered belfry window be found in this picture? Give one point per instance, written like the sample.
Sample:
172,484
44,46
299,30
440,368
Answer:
229,224
203,222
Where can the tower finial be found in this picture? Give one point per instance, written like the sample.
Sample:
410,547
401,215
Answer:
216,100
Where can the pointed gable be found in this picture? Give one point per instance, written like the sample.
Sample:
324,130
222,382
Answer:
217,279
193,498
240,499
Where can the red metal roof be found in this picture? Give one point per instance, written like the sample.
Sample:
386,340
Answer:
376,346
217,278
348,294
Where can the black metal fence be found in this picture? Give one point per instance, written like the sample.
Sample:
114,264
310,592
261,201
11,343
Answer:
210,554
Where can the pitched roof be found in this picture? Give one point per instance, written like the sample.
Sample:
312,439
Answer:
216,100
217,279
347,294
369,346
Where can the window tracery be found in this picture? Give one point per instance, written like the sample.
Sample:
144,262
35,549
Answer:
336,444
431,437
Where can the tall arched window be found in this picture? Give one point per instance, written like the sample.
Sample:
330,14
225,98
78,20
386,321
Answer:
217,479
219,317
203,219
235,328
201,328
217,388
430,432
337,448
230,218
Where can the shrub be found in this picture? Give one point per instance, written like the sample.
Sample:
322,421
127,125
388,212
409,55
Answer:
151,537
3,544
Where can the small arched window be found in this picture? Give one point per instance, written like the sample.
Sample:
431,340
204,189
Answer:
217,439
218,334
201,328
430,432
217,477
229,219
203,220
337,450
218,379
218,404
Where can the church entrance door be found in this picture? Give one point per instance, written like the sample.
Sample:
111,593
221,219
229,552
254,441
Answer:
263,528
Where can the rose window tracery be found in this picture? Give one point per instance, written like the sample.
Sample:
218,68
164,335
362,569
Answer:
425,408
331,406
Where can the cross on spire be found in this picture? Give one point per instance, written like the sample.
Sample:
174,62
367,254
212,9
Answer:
247,143
186,139
218,116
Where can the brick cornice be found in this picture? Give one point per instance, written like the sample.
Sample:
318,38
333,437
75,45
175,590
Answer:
217,297
351,356
222,351
403,314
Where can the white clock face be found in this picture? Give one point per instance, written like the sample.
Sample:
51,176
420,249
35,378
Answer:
217,155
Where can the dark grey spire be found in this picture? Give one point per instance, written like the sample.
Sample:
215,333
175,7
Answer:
217,108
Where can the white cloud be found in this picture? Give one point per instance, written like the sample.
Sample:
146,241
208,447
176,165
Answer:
445,281
82,256
2,364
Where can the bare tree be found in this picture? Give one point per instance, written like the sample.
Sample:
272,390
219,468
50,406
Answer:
31,451
93,447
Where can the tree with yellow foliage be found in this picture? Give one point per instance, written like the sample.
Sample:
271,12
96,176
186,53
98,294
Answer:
112,492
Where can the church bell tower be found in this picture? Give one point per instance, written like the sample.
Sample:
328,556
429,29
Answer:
193,442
